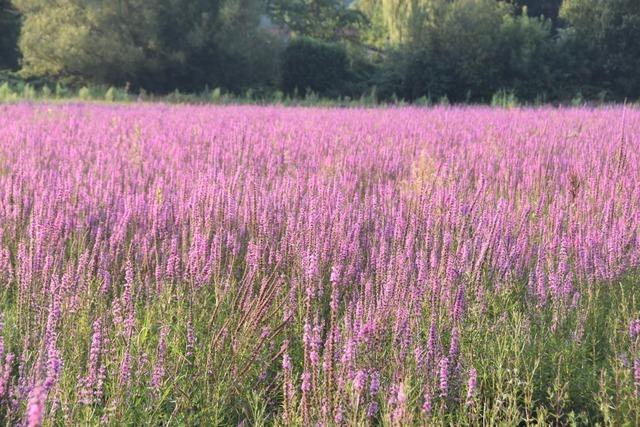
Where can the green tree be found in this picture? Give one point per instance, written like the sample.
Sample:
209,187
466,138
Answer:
469,49
526,55
455,51
548,9
399,22
603,41
470,37
158,45
328,20
9,32
375,33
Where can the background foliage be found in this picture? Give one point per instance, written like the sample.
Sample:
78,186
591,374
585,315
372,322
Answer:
461,50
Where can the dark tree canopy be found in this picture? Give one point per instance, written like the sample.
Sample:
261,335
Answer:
9,33
156,45
328,20
605,36
316,66
548,9
465,50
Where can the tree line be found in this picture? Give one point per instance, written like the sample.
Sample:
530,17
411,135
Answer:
457,50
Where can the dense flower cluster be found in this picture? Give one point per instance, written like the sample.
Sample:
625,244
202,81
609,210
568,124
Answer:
332,257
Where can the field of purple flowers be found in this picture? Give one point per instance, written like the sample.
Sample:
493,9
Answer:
270,266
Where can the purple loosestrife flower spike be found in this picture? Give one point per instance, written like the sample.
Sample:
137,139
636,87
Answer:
191,339
444,377
454,347
306,382
634,329
427,405
374,385
372,409
472,385
35,406
159,369
359,380
125,369
5,377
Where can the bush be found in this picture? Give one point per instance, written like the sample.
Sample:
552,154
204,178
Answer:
84,93
45,92
311,65
61,91
6,94
504,99
28,92
109,95
216,95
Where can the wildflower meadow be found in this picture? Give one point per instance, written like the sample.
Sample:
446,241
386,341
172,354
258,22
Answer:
244,265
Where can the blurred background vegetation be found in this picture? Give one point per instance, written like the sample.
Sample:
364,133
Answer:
419,51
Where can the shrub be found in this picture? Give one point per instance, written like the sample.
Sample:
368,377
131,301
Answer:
84,93
216,95
61,91
45,92
505,99
110,96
